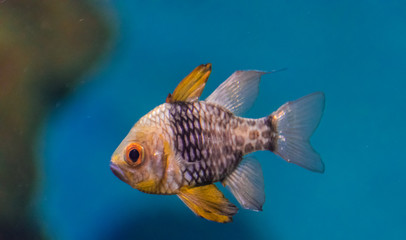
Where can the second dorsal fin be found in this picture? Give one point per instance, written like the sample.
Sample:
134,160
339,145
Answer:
238,92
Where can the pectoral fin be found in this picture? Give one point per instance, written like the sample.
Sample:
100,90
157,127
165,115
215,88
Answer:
208,202
191,87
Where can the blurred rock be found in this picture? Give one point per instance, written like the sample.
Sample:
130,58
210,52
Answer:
45,46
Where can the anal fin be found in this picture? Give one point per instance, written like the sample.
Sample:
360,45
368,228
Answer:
246,183
208,202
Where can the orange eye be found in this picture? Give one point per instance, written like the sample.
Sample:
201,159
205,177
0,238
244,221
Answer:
134,154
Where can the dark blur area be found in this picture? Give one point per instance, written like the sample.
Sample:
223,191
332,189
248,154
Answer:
45,46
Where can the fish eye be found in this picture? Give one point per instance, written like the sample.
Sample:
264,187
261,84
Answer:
134,154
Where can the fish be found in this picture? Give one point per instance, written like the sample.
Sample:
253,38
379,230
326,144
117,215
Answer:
186,145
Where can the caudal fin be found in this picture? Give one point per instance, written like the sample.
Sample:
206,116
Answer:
294,123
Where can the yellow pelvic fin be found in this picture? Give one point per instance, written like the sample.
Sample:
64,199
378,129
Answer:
191,87
208,202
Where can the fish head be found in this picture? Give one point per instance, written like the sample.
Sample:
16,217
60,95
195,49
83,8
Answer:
138,160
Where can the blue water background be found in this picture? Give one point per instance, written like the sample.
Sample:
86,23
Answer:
353,51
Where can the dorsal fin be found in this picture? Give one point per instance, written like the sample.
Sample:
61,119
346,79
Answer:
191,87
208,202
238,92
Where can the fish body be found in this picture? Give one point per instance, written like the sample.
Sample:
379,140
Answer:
185,145
210,141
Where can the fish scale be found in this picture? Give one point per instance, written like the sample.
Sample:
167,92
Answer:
203,138
210,140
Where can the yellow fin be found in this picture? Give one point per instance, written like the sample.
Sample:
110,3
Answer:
191,87
208,202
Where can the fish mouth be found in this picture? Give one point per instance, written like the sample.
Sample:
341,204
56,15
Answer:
118,172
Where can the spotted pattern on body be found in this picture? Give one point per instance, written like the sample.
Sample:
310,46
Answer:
212,141
258,134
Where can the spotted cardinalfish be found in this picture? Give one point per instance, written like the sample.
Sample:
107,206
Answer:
185,145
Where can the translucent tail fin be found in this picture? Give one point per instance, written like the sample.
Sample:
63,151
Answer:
294,123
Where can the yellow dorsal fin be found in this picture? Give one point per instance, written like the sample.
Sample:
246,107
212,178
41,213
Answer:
208,202
191,87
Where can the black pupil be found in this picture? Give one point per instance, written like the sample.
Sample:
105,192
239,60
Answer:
134,155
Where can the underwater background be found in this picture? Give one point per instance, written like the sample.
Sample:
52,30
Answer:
76,75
